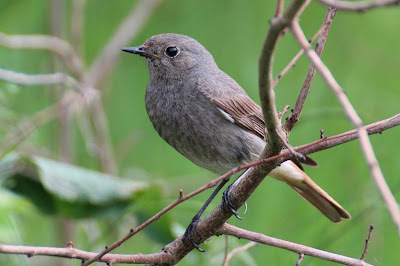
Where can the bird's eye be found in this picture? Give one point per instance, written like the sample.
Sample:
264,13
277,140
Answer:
172,51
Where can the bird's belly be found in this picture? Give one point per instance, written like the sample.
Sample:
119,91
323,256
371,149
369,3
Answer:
214,143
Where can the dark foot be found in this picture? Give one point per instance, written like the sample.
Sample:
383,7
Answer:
228,205
190,230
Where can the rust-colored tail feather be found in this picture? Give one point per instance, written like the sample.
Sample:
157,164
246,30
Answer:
321,200
291,174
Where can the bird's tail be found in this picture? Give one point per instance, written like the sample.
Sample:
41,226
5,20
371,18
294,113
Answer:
291,174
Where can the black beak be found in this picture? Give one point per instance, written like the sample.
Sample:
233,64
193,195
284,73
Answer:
140,51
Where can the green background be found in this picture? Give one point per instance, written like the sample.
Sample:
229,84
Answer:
362,52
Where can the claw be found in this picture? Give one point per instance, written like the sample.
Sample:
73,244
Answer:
228,205
190,230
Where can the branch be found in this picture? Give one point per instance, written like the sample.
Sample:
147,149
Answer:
267,95
305,89
175,251
292,62
103,63
138,16
39,79
72,253
77,24
237,250
26,127
231,230
53,44
371,228
360,6
352,115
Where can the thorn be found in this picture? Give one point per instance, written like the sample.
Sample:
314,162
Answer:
180,193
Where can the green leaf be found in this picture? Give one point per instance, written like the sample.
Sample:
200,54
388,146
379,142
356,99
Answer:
60,188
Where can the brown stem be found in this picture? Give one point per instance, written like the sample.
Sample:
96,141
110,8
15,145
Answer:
371,228
231,230
305,89
175,251
360,6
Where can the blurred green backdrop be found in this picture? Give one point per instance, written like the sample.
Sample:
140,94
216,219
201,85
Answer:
363,54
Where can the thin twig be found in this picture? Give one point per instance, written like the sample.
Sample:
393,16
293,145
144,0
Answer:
301,257
104,148
226,251
267,94
292,62
101,66
296,154
359,6
315,146
305,89
279,8
51,43
322,144
352,115
57,24
128,29
284,111
77,21
232,230
26,127
371,228
237,250
39,79
74,253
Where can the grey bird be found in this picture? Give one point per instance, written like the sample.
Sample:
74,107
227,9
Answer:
206,116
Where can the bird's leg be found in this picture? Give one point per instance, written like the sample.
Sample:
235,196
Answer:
192,226
226,199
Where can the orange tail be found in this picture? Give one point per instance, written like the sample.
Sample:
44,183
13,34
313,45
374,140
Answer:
291,174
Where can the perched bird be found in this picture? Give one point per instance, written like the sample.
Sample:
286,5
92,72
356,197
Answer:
206,116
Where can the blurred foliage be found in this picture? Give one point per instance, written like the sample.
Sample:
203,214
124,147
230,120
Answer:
59,188
362,52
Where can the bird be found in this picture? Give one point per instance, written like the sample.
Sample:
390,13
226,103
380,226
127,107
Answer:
208,117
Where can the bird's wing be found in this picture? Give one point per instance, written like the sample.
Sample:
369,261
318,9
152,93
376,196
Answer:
244,112
239,108
234,103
